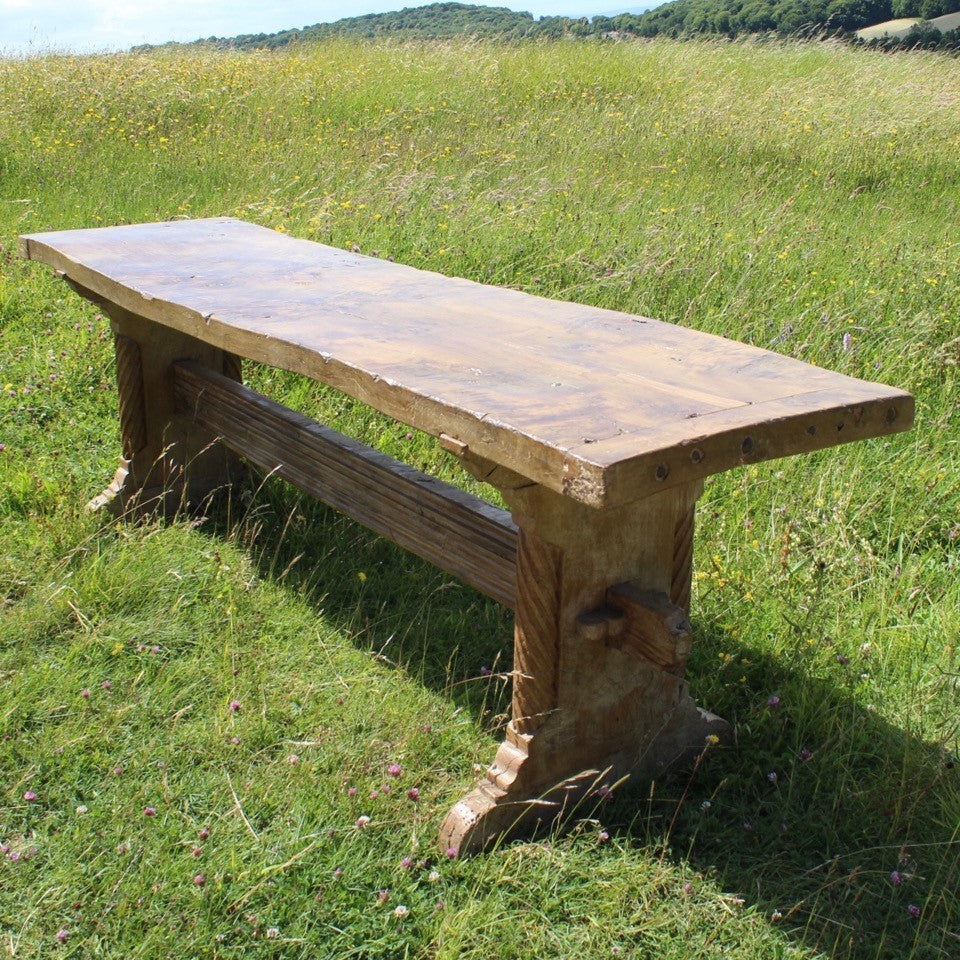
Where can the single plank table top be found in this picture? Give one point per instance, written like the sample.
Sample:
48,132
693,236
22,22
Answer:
602,406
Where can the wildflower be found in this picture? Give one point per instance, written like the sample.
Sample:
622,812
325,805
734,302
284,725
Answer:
484,671
773,702
406,863
394,770
603,836
106,684
414,794
847,341
82,809
772,776
197,851
706,805
452,853
293,759
235,741
805,754
383,896
362,821
427,728
687,888
400,910
272,933
62,935
85,693
29,795
204,833
338,872
374,794
351,791
913,910
434,876
896,878
842,660
199,880
149,812
234,706
712,739
118,771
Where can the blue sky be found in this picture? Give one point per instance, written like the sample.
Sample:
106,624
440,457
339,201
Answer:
95,25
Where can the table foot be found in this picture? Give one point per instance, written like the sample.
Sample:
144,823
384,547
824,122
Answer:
526,790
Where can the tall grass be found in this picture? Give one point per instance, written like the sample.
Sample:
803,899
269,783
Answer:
783,195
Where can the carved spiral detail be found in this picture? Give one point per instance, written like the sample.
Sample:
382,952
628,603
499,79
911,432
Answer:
133,420
537,646
233,366
682,559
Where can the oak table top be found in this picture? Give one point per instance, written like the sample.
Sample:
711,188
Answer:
603,406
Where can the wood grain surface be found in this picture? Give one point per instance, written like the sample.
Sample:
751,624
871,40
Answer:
602,406
458,532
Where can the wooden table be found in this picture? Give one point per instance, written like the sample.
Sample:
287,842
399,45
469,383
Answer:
597,427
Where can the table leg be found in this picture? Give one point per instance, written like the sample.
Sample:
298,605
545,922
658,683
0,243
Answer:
600,647
165,460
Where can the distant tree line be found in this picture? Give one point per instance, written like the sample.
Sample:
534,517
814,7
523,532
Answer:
788,17
680,18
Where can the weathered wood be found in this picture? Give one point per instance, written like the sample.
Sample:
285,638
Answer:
651,626
536,658
596,426
602,406
683,559
590,708
460,533
165,461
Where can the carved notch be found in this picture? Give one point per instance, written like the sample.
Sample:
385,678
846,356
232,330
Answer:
654,628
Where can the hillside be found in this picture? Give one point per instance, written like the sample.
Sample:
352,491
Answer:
680,18
435,21
912,29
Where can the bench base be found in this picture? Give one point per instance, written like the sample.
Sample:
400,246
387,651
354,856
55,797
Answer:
515,798
601,634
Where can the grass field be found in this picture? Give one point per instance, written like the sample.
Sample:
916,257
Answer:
196,714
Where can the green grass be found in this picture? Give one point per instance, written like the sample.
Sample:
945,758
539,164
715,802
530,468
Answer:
782,195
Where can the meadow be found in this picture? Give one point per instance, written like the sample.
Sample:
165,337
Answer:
235,734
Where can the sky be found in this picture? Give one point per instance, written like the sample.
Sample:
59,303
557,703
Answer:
89,26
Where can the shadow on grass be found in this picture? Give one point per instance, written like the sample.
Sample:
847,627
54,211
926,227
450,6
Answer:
825,819
389,602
